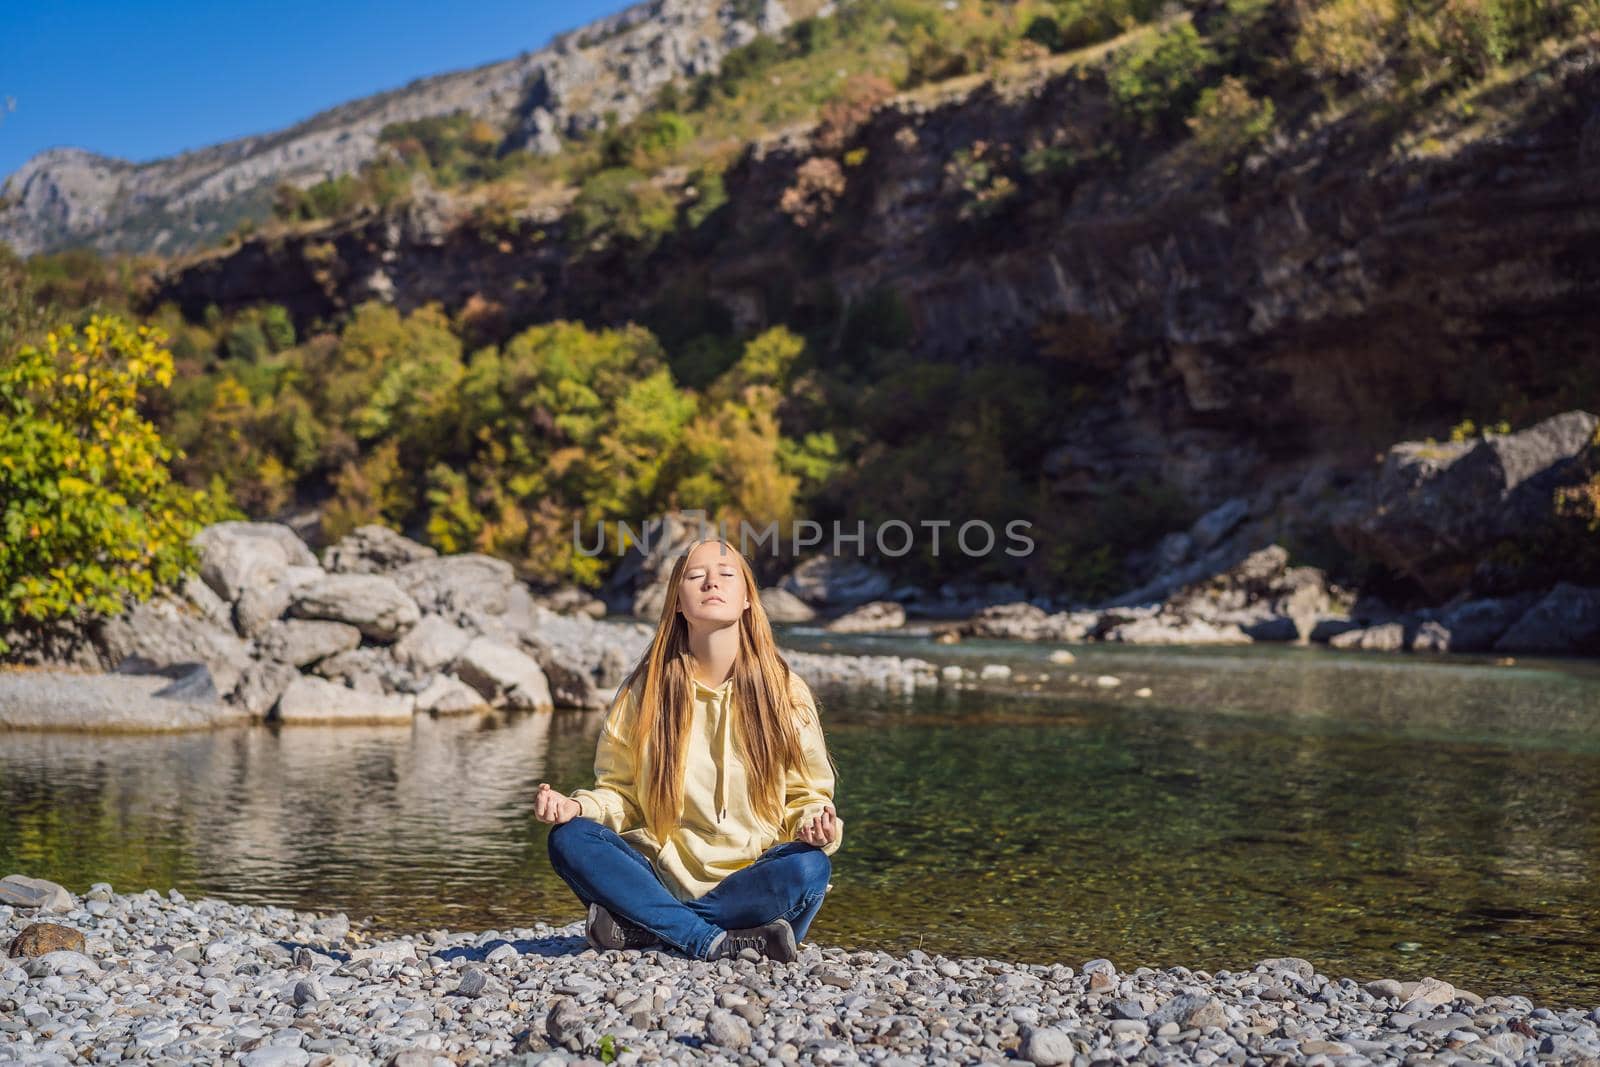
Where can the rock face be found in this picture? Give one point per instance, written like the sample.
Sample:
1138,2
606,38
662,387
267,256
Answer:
68,195
1434,510
1252,343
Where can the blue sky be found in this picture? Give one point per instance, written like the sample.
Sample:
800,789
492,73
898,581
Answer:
141,79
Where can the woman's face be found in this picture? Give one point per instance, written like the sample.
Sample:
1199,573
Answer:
712,591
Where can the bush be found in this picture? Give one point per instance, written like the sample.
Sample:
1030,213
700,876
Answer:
622,203
246,341
92,519
1346,37
1156,81
1227,120
278,327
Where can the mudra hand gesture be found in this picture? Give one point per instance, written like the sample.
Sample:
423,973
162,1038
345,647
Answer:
552,806
820,829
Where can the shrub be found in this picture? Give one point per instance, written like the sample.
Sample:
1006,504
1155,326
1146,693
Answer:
979,172
844,112
818,185
621,203
246,340
1227,120
1157,80
92,519
651,139
278,327
1345,38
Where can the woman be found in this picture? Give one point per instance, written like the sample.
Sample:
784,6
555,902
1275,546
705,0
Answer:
711,822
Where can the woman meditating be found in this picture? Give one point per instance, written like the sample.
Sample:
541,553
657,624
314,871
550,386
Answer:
711,822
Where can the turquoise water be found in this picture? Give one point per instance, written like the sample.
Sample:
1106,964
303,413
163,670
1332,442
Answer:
1382,816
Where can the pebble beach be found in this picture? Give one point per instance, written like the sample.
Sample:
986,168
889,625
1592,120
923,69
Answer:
107,977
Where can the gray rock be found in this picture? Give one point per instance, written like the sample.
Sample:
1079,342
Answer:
728,1030
453,585
1566,621
503,676
232,561
262,684
22,891
783,606
872,617
1433,509
1021,621
314,700
448,695
373,549
836,581
305,641
1385,637
432,644
66,700
373,604
166,631
1219,522
1046,1046
260,605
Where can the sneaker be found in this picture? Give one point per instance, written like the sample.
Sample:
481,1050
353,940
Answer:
606,931
775,941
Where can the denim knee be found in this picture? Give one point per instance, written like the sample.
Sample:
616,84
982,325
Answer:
564,836
815,868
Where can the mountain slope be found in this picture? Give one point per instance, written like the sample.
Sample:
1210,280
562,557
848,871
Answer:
68,196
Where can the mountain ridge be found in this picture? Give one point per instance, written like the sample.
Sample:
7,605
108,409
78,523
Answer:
69,195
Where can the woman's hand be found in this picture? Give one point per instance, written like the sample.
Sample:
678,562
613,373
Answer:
554,807
819,830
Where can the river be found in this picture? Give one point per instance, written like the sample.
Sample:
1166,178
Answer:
1381,815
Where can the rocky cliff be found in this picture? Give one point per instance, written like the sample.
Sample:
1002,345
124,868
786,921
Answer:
69,196
1224,333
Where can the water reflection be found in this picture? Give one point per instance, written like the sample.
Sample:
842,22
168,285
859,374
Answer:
1294,803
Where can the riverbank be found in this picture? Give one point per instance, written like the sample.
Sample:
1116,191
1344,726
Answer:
166,979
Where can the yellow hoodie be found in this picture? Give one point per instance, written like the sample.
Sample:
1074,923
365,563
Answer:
720,832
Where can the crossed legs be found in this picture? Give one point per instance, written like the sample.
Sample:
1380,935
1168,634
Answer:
787,881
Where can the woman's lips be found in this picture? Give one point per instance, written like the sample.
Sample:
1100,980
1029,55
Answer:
718,599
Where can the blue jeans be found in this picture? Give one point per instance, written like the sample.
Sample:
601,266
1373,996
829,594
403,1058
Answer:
787,881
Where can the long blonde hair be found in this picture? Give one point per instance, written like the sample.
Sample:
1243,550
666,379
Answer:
766,721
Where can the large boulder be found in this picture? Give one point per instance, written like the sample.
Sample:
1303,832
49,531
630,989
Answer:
872,617
262,684
783,606
1433,511
1565,621
836,581
1261,595
373,550
504,676
451,585
432,644
370,669
314,700
305,641
166,631
1022,621
1176,630
235,555
445,694
373,604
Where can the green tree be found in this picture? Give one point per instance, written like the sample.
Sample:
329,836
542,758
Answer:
1157,80
92,518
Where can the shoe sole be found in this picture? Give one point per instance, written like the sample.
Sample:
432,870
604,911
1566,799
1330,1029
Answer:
788,950
588,929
